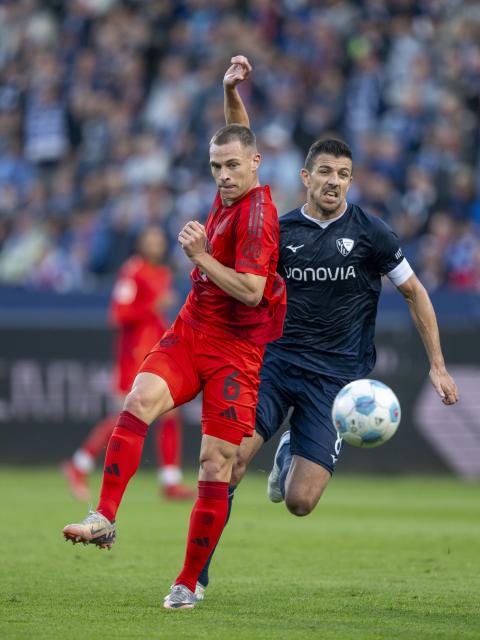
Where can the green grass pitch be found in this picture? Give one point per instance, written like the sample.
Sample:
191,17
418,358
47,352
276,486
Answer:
380,558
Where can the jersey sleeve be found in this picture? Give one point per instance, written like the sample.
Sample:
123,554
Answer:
257,236
387,253
401,273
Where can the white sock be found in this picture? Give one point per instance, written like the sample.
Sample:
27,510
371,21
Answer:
83,461
169,475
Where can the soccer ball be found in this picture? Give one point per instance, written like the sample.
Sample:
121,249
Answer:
366,413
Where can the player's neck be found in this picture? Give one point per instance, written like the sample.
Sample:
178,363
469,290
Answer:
320,214
155,262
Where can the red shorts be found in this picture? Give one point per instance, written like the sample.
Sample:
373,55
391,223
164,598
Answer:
227,369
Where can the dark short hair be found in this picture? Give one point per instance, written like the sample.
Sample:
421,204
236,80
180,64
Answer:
231,132
332,146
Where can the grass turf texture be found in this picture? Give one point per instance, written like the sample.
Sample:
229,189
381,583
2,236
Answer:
379,558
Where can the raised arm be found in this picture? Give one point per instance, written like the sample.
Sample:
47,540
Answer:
235,112
425,320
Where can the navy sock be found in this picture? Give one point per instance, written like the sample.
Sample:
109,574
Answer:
203,577
284,459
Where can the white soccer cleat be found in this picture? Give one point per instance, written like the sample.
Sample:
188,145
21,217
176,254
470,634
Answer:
273,486
180,597
94,529
200,591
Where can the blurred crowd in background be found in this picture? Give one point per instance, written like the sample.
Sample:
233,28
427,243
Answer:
107,107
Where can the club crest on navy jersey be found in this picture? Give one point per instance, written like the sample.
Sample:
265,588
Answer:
345,245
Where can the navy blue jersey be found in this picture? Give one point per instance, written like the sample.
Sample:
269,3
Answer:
333,278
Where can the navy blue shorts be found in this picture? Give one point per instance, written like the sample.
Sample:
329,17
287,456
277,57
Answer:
310,395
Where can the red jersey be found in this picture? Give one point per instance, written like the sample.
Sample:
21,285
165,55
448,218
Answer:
134,311
243,236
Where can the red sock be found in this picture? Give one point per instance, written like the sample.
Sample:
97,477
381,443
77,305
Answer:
123,456
206,524
168,441
98,437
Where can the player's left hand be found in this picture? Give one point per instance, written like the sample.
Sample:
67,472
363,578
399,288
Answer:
193,239
444,385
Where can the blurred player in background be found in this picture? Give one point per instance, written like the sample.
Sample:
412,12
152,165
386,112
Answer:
332,256
141,296
236,305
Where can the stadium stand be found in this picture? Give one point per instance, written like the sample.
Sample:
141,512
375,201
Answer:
106,108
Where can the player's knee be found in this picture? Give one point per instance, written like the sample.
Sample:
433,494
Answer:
140,403
213,468
300,505
299,509
215,465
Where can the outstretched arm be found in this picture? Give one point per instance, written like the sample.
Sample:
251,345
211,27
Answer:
235,112
425,320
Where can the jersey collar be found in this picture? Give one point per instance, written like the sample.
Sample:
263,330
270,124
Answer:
323,223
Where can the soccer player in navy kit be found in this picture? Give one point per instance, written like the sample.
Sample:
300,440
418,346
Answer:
332,257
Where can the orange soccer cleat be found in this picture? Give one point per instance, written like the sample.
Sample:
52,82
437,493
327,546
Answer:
77,481
178,492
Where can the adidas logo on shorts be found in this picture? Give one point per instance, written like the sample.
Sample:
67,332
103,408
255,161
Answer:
229,413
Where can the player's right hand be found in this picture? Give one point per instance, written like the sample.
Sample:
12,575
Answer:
444,385
193,240
237,72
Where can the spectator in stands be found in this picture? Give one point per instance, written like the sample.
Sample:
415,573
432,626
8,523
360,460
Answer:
104,106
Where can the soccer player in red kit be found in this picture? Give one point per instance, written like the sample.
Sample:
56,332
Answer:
236,305
141,296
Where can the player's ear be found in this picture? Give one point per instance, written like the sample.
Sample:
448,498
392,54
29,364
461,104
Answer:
305,176
256,160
